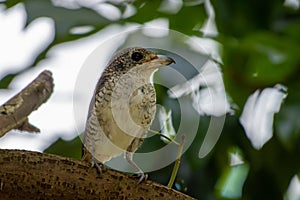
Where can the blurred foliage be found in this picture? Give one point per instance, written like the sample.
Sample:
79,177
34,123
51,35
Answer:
260,48
71,149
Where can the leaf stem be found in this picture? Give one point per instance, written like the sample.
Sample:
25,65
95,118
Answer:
177,163
164,136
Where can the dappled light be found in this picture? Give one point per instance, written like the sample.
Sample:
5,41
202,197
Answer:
231,182
258,114
227,122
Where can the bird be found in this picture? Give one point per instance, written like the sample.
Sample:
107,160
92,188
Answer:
123,107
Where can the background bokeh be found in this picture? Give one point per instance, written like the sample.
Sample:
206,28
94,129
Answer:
257,47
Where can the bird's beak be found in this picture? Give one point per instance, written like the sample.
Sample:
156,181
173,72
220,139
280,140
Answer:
158,61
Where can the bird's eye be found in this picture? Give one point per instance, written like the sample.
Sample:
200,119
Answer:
137,56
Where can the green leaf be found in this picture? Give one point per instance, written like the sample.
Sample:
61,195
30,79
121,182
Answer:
64,19
5,81
187,20
259,60
231,182
11,3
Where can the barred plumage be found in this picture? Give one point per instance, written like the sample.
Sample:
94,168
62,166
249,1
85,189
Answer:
123,106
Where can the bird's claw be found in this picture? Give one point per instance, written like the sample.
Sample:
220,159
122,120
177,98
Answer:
142,177
97,165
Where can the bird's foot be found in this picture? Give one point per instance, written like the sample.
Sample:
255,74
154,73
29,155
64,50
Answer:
97,165
142,176
140,173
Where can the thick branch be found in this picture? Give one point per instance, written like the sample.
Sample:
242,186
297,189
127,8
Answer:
14,113
32,175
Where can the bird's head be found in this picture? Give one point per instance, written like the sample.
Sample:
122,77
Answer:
137,57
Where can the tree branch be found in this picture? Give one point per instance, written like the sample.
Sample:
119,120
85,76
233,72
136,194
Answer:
14,113
33,175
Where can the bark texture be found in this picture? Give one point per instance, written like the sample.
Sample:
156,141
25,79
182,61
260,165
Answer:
33,175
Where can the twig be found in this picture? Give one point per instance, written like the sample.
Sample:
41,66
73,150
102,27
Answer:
177,163
178,158
164,136
14,113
